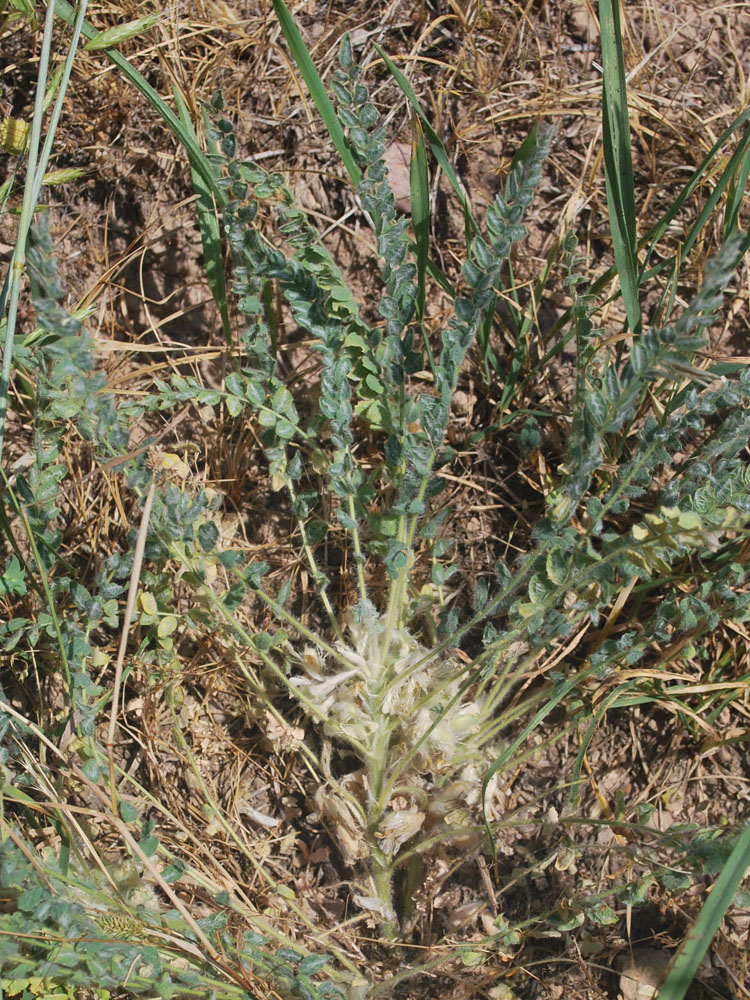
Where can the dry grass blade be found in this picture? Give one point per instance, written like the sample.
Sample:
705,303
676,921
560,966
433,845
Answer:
184,135
135,575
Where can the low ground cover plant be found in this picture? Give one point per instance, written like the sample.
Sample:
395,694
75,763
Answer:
403,709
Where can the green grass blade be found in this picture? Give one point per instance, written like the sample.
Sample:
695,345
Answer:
726,179
737,187
319,95
35,170
317,90
120,33
652,238
618,164
196,156
437,275
436,146
419,182
12,284
420,211
484,342
210,231
270,313
697,942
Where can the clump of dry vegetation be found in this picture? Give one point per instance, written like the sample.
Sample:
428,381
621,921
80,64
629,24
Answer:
373,534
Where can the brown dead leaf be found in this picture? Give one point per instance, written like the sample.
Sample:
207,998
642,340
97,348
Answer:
397,161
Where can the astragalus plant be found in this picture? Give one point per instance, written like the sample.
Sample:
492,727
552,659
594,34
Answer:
420,720
384,677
